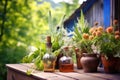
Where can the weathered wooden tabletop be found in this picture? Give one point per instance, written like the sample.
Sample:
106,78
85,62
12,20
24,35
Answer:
78,74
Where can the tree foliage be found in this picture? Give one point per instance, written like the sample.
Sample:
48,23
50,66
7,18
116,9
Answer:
21,26
69,8
21,23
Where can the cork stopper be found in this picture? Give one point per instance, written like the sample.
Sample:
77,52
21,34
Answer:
48,42
76,49
66,48
48,39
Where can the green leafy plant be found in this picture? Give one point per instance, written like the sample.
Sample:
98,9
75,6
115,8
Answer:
80,28
56,34
36,58
85,45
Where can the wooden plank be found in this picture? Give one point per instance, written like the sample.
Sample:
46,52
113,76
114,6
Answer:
39,74
18,67
16,75
95,13
52,76
101,75
77,75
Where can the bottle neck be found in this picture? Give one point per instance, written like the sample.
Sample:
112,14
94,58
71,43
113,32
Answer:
49,47
66,52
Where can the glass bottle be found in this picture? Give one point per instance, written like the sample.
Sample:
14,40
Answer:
66,62
49,59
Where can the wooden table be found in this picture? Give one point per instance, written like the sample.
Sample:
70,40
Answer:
18,72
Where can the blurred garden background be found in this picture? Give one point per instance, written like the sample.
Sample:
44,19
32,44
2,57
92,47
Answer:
21,24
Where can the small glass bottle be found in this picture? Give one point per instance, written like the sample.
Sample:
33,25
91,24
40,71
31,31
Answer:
66,62
49,59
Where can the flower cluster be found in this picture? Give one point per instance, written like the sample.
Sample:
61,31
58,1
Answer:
108,40
88,42
100,40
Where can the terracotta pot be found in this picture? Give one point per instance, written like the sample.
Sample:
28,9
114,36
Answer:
89,62
78,57
57,60
110,64
118,65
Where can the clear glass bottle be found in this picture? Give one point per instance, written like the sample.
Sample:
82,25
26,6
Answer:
66,62
49,59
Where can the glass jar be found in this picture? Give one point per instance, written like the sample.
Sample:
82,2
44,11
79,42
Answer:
66,62
49,59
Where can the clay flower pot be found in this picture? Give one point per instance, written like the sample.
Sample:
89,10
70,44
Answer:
57,60
118,65
89,62
111,64
78,57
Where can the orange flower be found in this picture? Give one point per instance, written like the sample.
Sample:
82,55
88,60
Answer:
117,33
94,33
98,33
115,22
100,28
76,49
91,30
109,29
91,37
117,37
85,36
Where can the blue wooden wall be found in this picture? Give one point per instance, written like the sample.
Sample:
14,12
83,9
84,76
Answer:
88,6
70,25
106,12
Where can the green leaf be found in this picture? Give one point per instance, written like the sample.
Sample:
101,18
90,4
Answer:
28,72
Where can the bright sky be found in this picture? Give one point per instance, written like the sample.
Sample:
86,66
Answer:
70,1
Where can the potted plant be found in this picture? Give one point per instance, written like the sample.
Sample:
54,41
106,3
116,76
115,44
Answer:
89,49
89,59
81,27
88,43
109,45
